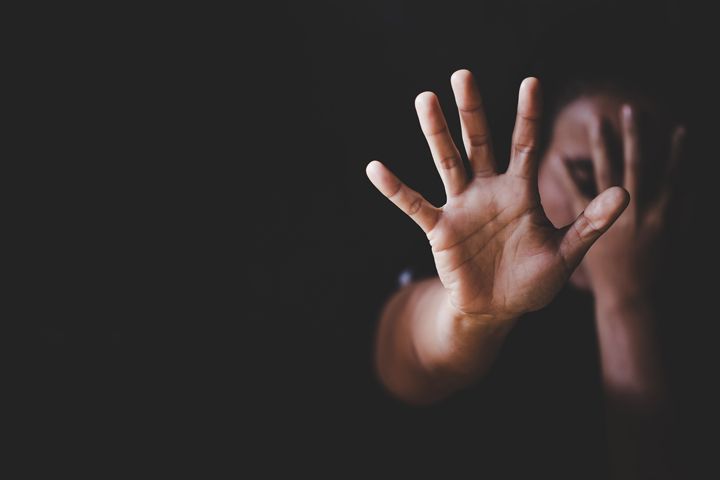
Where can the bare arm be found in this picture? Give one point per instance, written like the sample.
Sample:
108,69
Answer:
426,349
496,253
638,418
621,268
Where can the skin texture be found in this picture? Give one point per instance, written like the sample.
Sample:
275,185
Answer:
583,138
500,253
620,268
496,252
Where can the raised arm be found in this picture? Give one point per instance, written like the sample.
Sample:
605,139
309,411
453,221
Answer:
621,269
496,253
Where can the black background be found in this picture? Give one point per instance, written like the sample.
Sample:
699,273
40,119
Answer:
202,256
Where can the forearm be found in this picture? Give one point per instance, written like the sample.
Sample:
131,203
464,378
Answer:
426,349
636,398
629,351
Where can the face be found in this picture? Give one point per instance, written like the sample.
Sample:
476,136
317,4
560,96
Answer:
570,144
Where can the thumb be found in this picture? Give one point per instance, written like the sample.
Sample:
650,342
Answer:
599,215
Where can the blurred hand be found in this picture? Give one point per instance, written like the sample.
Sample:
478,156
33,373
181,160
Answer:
626,258
495,251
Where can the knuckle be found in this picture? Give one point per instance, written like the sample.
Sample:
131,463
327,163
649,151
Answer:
582,232
442,130
415,206
586,228
525,149
484,172
528,117
448,163
396,190
478,140
472,110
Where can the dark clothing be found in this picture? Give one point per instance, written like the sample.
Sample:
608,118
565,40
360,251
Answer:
538,410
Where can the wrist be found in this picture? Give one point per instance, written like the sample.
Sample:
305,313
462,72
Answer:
619,289
494,322
621,303
456,348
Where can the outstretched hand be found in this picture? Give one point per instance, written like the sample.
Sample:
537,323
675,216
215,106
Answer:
496,252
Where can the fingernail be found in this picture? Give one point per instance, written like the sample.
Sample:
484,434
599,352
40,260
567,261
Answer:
627,112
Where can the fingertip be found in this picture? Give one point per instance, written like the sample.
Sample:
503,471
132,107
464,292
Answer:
620,196
460,76
617,195
680,132
531,95
531,85
424,100
374,169
623,192
607,207
627,112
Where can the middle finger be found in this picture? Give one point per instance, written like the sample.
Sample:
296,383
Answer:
475,130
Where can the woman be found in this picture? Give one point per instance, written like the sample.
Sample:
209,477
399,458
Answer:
605,169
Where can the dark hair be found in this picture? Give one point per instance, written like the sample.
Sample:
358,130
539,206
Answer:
632,50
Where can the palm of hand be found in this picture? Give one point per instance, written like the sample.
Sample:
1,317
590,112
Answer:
495,250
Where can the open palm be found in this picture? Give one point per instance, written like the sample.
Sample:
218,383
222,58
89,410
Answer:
495,251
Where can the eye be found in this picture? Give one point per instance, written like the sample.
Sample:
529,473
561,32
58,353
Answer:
581,171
